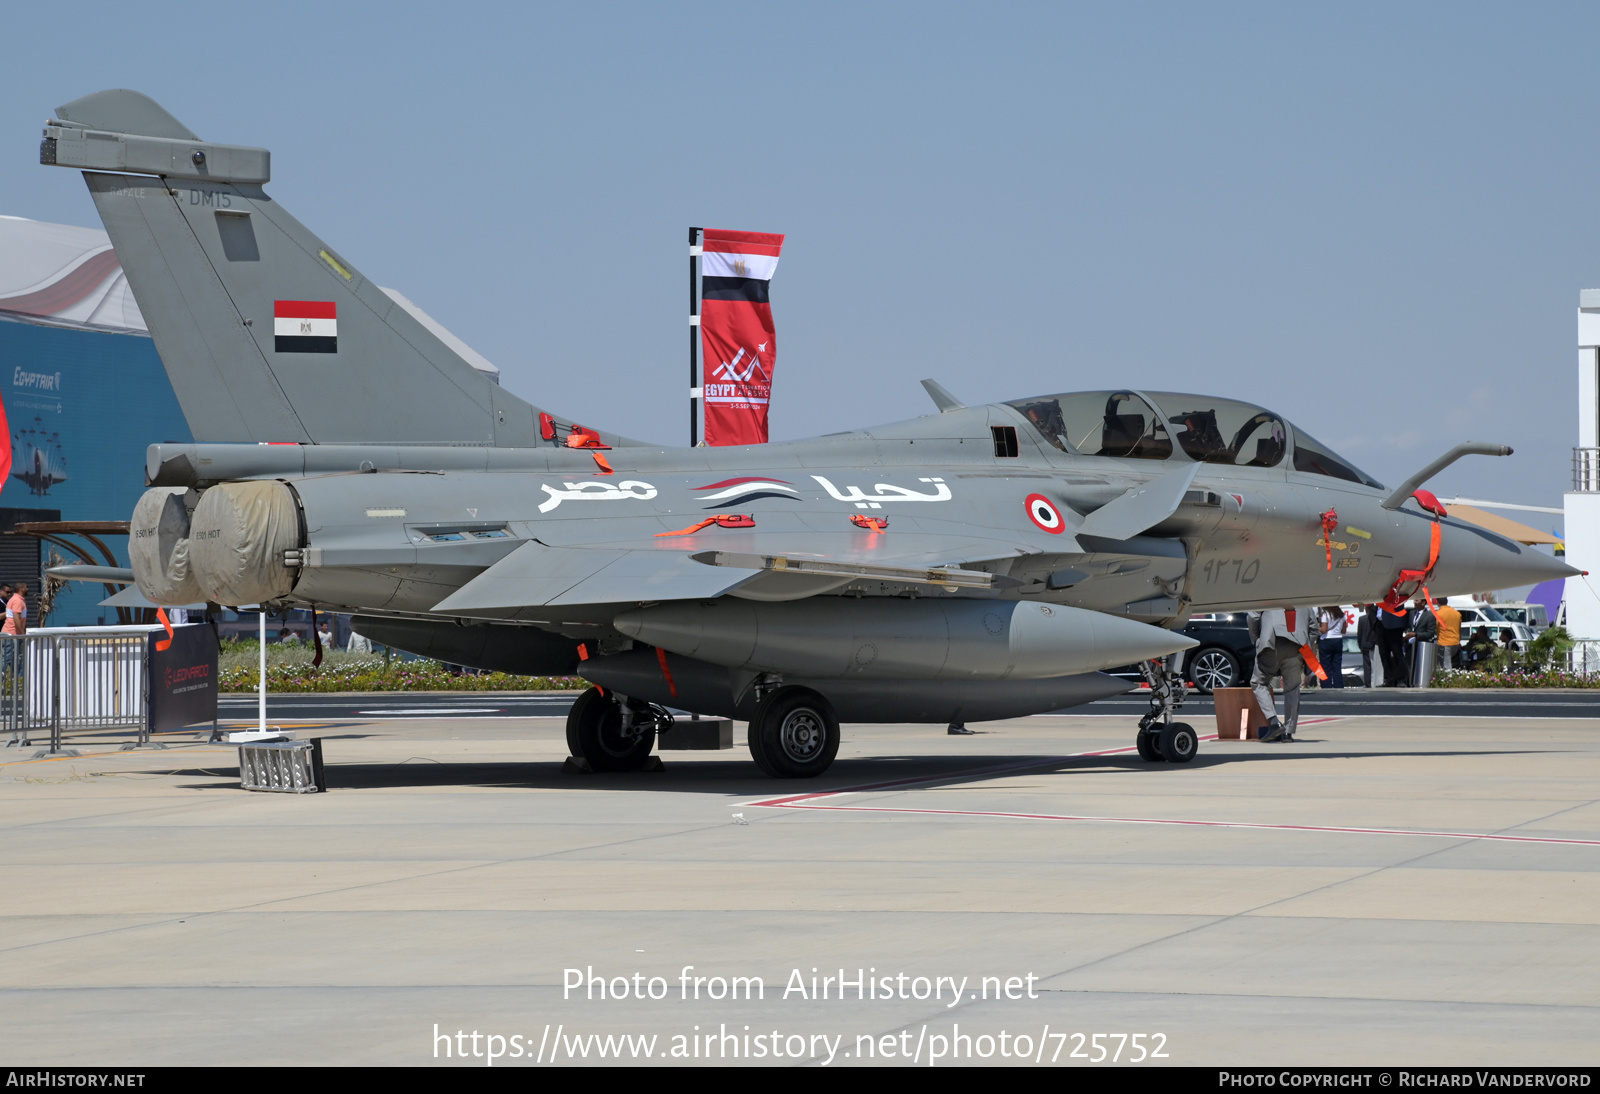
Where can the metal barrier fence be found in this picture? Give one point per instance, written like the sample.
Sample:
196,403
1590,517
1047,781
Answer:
1584,656
60,680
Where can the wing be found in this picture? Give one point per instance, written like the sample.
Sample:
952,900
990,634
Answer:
786,565
535,575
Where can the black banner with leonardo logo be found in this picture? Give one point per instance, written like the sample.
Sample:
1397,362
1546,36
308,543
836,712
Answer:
182,677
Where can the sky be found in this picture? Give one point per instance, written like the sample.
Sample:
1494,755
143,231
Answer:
1372,218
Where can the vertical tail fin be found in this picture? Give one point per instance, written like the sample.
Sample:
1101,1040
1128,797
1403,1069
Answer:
267,332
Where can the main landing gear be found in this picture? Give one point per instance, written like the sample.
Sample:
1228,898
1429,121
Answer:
794,734
613,732
1160,738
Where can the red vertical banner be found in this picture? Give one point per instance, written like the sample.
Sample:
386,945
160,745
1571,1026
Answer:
739,346
5,448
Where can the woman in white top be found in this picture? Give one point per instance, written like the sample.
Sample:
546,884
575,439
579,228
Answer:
1331,649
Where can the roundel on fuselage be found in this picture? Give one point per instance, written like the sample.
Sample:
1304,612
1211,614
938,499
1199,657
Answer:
1043,512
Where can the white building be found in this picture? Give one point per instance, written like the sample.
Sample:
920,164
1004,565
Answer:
1582,502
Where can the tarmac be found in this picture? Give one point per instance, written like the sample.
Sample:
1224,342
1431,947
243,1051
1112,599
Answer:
1385,891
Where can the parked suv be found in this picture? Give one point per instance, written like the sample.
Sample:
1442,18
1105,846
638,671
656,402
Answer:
1226,657
1474,616
1223,659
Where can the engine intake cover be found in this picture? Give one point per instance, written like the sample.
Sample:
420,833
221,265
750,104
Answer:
158,548
237,540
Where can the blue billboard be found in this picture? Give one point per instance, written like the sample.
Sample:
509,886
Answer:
81,406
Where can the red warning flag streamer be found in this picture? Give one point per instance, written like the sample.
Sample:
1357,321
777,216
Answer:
1417,579
1309,656
739,345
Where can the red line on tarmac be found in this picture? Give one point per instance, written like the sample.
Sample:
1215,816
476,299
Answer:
1195,823
799,801
917,780
895,784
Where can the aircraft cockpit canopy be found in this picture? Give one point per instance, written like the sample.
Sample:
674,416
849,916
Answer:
1100,423
1127,425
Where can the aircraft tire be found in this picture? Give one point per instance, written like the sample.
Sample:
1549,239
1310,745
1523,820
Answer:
1146,740
753,740
577,713
794,734
594,732
1178,742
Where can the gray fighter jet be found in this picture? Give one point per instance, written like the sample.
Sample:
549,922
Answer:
980,562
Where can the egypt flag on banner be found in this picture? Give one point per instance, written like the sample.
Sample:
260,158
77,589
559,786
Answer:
305,326
738,345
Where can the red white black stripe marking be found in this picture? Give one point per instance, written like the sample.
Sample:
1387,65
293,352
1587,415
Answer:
748,488
738,265
305,326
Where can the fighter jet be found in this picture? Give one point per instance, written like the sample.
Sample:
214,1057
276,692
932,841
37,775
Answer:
980,562
41,464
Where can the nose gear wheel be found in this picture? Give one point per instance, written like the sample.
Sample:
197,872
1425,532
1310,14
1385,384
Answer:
1160,738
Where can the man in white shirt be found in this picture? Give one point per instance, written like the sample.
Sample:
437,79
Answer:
1279,633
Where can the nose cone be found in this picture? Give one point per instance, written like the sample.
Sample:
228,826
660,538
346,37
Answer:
1475,560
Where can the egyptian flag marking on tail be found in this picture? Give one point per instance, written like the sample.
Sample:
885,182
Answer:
738,342
305,326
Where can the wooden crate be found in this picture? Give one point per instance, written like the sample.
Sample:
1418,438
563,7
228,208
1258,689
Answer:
1238,710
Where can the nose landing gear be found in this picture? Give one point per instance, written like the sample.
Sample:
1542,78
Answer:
1160,738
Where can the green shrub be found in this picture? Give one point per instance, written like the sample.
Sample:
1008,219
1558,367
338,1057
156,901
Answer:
289,670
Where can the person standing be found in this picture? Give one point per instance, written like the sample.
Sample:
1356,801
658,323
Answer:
1422,629
16,624
1392,647
17,610
1449,633
1367,640
1330,651
6,657
1278,634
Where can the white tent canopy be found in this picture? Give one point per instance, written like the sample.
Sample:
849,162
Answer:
64,276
